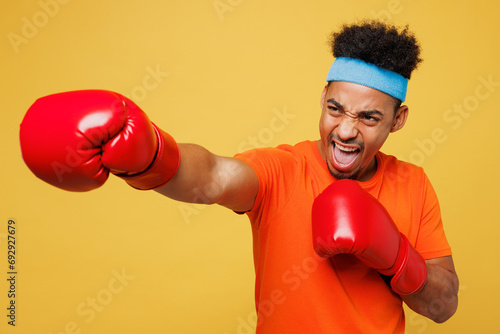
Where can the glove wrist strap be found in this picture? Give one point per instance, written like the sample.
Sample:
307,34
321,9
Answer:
410,270
162,169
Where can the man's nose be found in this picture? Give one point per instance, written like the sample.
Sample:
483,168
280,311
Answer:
347,129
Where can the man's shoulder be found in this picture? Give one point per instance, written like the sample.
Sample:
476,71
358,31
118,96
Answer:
306,147
400,169
303,147
282,157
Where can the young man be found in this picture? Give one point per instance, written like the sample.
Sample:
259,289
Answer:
342,232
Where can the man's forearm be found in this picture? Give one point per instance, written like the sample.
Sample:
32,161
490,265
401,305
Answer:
195,171
438,300
206,178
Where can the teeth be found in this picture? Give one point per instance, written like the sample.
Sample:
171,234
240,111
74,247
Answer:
346,149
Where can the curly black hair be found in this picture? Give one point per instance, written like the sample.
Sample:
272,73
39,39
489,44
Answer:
380,44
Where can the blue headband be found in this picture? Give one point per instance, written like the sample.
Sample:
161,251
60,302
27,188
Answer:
366,74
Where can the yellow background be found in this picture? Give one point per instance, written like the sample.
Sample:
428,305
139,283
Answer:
224,68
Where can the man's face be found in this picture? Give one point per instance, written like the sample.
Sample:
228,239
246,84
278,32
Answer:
354,124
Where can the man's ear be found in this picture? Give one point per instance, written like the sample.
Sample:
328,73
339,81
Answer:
400,118
323,95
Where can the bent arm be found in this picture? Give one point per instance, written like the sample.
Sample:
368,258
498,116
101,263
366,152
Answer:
206,178
438,300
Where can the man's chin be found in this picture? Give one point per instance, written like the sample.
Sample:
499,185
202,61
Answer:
340,175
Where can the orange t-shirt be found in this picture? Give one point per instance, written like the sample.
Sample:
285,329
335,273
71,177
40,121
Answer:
298,292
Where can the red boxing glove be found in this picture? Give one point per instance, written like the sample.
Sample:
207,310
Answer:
346,219
73,140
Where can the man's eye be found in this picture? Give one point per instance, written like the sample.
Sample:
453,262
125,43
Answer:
370,120
334,110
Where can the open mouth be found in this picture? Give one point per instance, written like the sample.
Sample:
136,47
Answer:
344,156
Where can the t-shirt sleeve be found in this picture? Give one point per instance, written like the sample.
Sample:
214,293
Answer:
276,169
431,241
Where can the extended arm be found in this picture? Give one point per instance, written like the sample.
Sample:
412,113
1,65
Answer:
73,140
438,300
